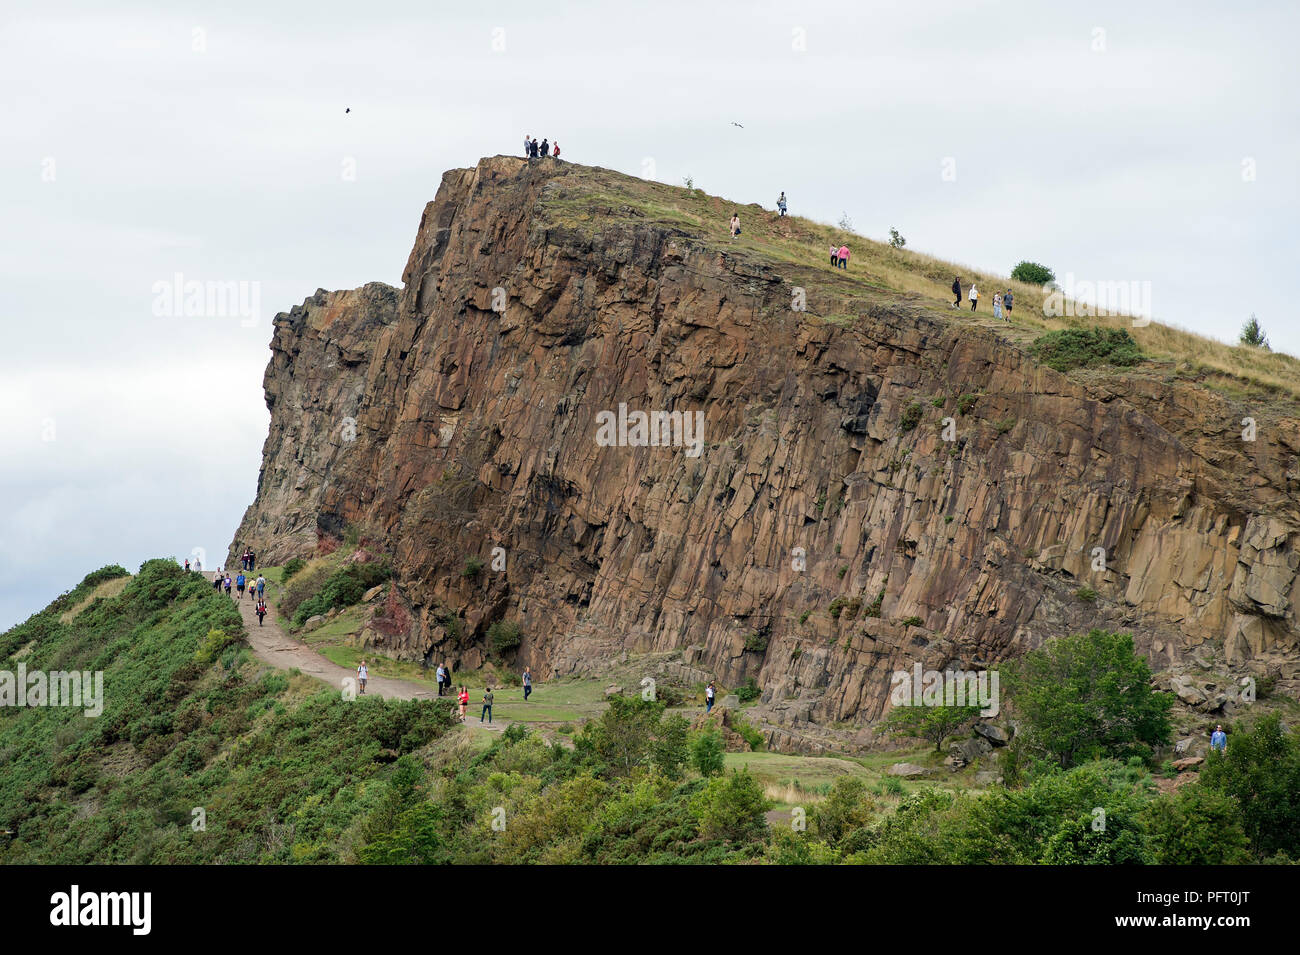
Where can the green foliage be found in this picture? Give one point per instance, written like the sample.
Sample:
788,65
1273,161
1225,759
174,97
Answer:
1088,696
932,723
504,636
966,403
873,609
732,808
913,621
844,569
748,691
1086,594
749,734
756,641
343,588
707,753
1003,425
911,416
1253,335
1031,273
1261,772
1086,348
472,567
1196,825
848,607
633,734
214,644
803,617
291,567
848,809
896,239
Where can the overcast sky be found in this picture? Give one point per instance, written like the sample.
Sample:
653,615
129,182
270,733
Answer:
1152,142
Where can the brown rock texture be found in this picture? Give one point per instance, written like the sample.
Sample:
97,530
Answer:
460,414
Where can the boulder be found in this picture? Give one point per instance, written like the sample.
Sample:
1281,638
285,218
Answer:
313,622
372,593
906,770
730,702
994,734
1182,765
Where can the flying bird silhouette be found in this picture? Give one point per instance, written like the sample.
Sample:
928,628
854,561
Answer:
737,124
348,110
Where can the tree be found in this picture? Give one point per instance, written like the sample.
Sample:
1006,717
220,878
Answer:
1032,273
1252,334
1196,826
932,723
731,807
634,733
896,239
846,810
707,753
1261,771
845,222
1088,696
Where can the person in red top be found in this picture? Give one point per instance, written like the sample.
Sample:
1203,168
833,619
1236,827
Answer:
463,700
555,150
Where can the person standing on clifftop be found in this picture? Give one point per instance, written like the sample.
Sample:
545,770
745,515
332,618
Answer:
555,150
1006,304
735,224
546,147
780,204
528,146
974,296
844,256
956,290
997,304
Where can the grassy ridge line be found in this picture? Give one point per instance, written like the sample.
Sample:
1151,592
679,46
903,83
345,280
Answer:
599,197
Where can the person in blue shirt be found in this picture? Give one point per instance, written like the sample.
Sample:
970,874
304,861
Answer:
1219,740
239,584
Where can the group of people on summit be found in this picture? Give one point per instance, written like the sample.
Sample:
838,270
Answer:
533,151
1002,301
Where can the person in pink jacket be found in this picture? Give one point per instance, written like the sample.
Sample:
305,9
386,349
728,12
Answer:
844,256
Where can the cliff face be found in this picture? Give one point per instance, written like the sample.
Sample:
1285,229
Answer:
461,414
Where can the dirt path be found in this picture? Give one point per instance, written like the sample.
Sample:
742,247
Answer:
272,645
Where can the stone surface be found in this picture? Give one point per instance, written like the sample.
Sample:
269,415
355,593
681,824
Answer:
907,770
441,426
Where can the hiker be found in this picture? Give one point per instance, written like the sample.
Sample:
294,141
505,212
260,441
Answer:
735,225
546,148
261,611
363,674
1006,304
709,693
835,256
536,150
240,580
974,296
844,256
1219,740
487,706
198,565
956,290
261,586
228,585
441,675
463,701
780,203
528,683
528,145
997,304
216,581
252,560
187,565
555,150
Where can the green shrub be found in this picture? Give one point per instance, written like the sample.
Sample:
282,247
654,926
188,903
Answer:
912,621
291,567
756,641
848,607
472,566
707,753
966,403
911,416
213,644
873,609
1086,594
1004,425
748,691
732,808
938,401
803,617
749,734
1086,348
842,571
504,636
343,588
1031,273
1253,335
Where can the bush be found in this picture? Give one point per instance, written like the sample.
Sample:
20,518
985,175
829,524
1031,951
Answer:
912,416
1032,273
748,691
1261,772
966,402
873,609
213,644
1086,594
343,588
291,567
1086,348
756,641
732,808
912,621
472,566
896,239
1253,335
707,753
504,636
753,737
848,607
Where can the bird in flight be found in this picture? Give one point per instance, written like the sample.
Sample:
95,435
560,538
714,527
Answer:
737,124
348,110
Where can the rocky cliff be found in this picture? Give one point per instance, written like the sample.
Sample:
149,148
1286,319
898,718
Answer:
877,482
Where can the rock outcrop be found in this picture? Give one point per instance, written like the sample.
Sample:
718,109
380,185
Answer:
844,513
